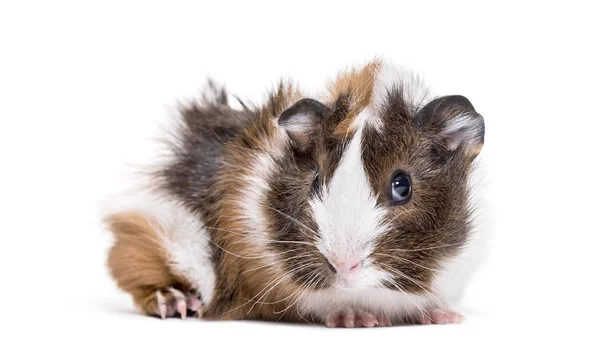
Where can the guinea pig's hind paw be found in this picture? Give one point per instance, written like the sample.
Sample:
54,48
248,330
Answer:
439,316
172,301
355,319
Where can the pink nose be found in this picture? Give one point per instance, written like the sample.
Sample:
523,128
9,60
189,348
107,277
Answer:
346,267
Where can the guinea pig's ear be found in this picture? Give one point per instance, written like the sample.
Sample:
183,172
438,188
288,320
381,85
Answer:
454,122
302,119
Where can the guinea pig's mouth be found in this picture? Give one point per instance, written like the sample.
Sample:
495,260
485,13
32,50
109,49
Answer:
349,272
347,283
344,284
353,274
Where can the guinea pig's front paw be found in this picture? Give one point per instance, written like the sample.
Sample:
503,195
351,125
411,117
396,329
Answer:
440,316
350,318
172,302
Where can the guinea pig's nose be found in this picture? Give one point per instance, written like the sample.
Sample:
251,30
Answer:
346,267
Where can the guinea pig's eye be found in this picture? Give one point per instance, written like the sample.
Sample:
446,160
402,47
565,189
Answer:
316,186
401,187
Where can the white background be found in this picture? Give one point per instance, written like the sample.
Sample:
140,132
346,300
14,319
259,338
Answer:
85,87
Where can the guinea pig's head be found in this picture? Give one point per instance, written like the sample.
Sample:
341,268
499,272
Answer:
372,190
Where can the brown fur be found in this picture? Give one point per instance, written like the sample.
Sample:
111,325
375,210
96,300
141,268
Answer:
357,86
234,289
138,260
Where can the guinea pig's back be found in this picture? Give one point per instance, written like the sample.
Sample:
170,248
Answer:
162,253
197,147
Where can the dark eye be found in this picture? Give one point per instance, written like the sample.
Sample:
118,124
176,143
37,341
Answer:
316,186
401,189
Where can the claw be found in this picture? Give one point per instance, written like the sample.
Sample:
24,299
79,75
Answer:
180,303
182,308
162,305
163,311
172,302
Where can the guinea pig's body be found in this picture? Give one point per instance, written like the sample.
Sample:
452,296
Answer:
353,211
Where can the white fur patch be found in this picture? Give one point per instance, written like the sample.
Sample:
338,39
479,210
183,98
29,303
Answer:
252,206
393,304
390,77
368,116
186,242
348,217
414,90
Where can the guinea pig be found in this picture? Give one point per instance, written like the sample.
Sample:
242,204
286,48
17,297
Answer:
350,211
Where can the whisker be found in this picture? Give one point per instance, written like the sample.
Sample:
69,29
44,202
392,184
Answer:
409,211
401,274
268,241
292,219
277,262
291,295
430,248
401,289
305,289
246,257
272,287
406,260
277,279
